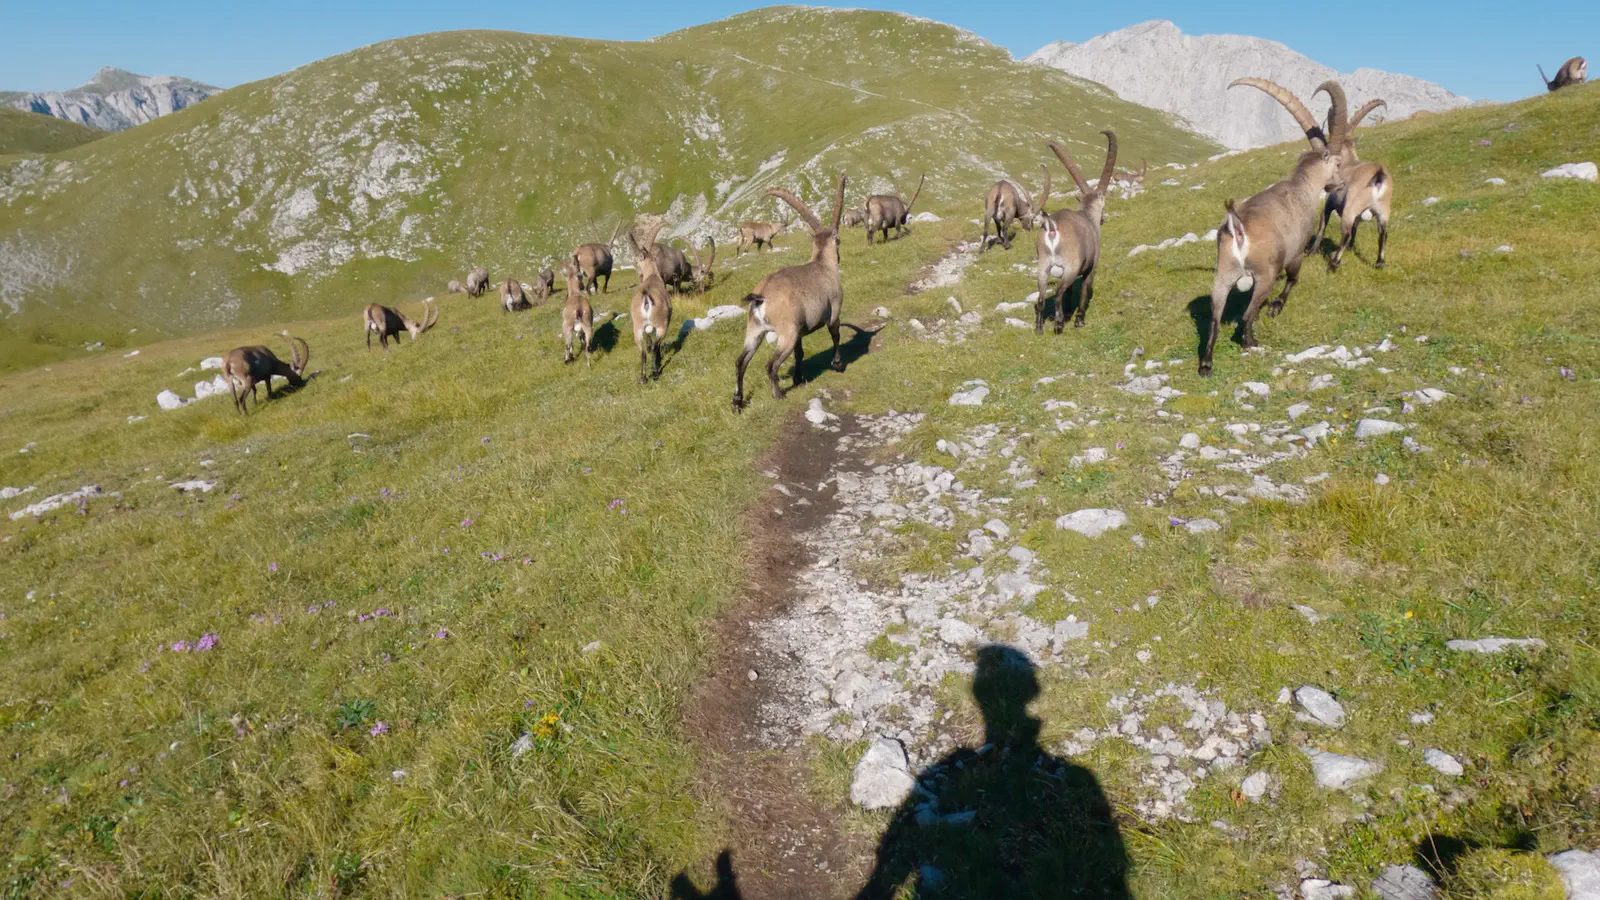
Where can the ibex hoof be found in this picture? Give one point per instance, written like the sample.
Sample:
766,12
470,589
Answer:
1059,327
837,365
1378,264
1077,323
738,404
1205,368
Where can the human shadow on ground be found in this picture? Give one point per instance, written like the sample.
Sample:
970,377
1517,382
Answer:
726,888
1006,819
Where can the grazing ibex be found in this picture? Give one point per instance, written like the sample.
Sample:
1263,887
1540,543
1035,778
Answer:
544,285
672,265
593,262
795,301
886,211
245,367
454,287
477,282
1069,240
387,322
512,296
704,277
1367,192
1573,71
1006,204
760,234
576,314
1267,234
652,306
853,217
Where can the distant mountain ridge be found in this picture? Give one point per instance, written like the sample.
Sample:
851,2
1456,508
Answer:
114,99
1157,65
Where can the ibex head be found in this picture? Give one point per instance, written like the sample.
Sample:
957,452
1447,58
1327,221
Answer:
824,238
299,354
703,275
1094,201
430,317
1040,213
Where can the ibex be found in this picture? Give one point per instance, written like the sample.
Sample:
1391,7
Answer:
760,234
1266,235
477,282
704,277
1135,176
853,217
454,287
576,314
245,367
593,262
795,301
512,296
885,211
1006,204
544,285
652,307
671,264
1069,240
387,322
1367,192
1573,71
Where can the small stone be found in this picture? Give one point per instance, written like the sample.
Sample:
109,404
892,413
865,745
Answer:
1255,388
1503,248
1321,705
1442,762
997,528
1584,171
1371,428
1381,478
956,632
882,778
1422,718
1297,410
169,400
752,674
522,745
1323,889
972,397
1190,441
1580,873
1015,322
1494,644
591,647
1202,526
1404,883
1255,786
1092,522
1320,382
1317,432
1429,201
1337,772
1285,696
1494,181
881,312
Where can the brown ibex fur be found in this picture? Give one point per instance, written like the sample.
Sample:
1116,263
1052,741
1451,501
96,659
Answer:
1573,71
593,262
795,301
544,285
652,306
477,282
671,265
1069,240
886,211
1367,193
387,322
1266,235
576,314
704,276
1004,205
245,367
760,234
513,297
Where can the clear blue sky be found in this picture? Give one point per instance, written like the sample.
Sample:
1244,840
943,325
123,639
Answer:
1473,48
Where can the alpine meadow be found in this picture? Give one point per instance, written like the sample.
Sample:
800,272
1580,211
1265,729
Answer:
479,602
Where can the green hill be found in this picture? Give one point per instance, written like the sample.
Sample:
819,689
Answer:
381,173
23,132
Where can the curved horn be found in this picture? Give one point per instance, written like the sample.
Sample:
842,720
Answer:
1302,116
699,260
1361,113
916,195
1111,161
651,233
801,208
711,240
1542,77
1044,195
1338,115
838,203
430,314
614,232
299,353
1072,167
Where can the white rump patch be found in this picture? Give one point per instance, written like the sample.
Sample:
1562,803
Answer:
1245,283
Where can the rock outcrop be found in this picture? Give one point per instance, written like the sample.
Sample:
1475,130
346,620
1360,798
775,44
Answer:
114,100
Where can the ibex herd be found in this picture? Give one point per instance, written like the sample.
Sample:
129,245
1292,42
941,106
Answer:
1259,239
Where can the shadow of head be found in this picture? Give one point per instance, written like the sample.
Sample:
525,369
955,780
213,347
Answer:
726,887
1005,682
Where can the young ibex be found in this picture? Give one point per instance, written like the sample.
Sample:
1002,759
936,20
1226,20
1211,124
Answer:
544,285
652,306
1069,240
760,234
1367,192
454,287
1573,71
387,322
1135,176
1005,205
853,217
477,282
593,262
576,314
886,211
795,301
512,296
1266,235
704,277
245,367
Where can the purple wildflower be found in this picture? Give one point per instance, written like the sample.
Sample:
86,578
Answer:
527,560
233,496
1174,521
1567,373
1485,143
123,783
144,666
328,604
528,705
313,609
207,642
484,439
441,634
615,503
1119,445
181,647
379,729
467,522
362,617
272,567
447,550
382,611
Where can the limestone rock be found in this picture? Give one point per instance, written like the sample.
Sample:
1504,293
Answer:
1092,522
882,778
1337,772
1404,883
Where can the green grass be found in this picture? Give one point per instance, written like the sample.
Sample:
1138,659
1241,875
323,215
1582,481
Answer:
252,769
24,132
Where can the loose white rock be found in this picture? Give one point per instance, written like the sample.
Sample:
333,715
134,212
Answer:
1257,388
56,501
1580,873
883,776
1371,428
1092,522
1429,201
1189,441
1202,526
1015,322
1255,786
203,487
1494,644
169,400
1404,883
1320,382
1321,705
1297,410
974,396
1337,772
997,528
1323,889
1494,181
1317,432
1584,171
211,362
1442,762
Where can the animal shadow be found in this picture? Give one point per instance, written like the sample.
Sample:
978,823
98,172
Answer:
1200,312
817,361
726,888
1006,819
606,336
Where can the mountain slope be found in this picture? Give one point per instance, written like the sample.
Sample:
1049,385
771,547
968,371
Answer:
26,132
1156,65
391,168
114,99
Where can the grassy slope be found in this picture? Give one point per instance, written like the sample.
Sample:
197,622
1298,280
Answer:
413,159
251,769
26,132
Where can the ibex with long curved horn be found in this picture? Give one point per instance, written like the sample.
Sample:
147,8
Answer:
795,301
1573,71
387,322
1266,235
704,276
886,211
652,305
1367,193
577,316
245,367
1069,240
593,262
1005,204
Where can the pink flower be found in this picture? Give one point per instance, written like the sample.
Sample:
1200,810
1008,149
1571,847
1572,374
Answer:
379,729
272,567
207,641
181,647
441,634
467,522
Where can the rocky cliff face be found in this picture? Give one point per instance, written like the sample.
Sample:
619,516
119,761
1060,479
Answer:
1156,65
114,100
